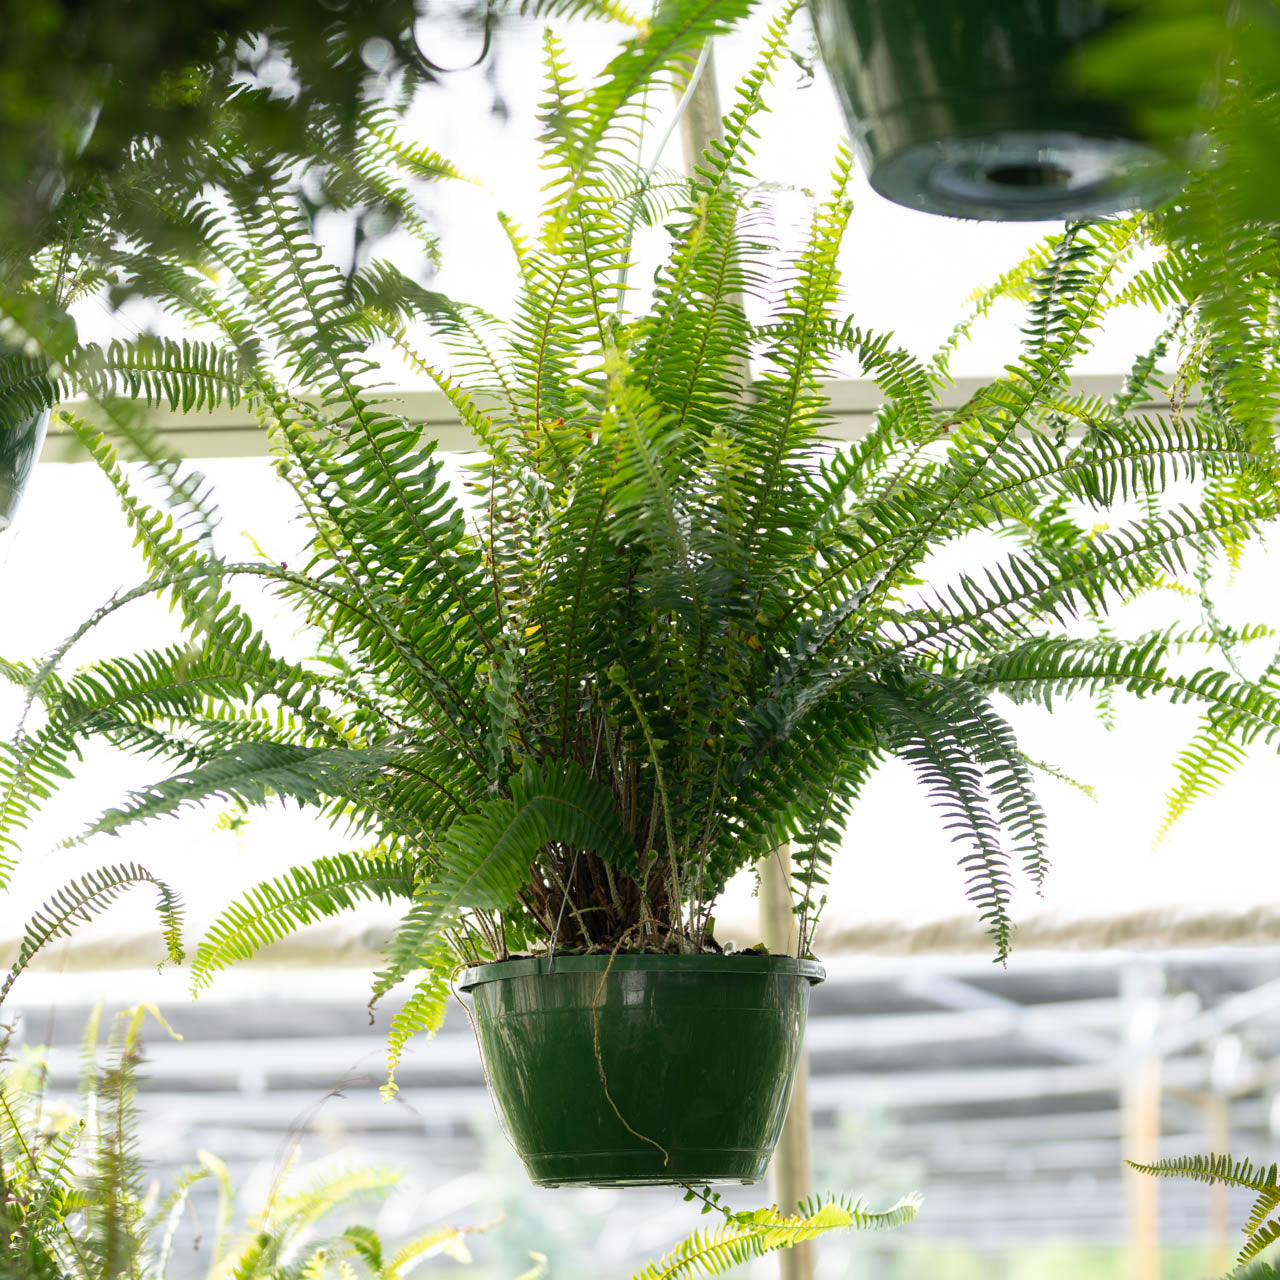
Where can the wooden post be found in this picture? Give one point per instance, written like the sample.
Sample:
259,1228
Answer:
1141,986
701,123
1217,1114
792,1168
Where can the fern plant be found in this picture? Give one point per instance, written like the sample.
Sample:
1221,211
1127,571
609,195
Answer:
75,1203
667,626
1263,1227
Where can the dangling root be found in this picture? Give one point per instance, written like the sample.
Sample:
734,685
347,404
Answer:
595,1041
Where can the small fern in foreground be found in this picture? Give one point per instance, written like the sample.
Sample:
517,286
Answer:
757,1232
1263,1226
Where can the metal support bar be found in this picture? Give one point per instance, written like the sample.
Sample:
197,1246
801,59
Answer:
1217,1126
1028,1023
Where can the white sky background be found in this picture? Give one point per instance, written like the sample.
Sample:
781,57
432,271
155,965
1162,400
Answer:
906,272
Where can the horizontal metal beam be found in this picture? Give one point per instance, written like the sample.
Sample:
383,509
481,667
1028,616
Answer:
360,1100
448,1053
1248,1115
235,433
1039,1027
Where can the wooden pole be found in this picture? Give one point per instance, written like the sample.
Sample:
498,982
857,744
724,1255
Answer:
792,1168
701,123
1217,1113
1141,987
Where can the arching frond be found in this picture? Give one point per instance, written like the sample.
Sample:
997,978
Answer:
754,1234
1262,1228
276,908
81,900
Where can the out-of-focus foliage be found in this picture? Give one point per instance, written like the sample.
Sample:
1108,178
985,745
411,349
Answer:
96,101
76,1202
1203,75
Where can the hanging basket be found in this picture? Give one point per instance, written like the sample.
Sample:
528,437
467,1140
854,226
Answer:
967,107
20,447
643,1070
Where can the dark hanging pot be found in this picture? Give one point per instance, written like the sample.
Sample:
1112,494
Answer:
643,1070
20,447
967,107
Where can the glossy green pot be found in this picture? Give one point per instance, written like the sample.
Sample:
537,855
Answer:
20,447
698,1054
968,107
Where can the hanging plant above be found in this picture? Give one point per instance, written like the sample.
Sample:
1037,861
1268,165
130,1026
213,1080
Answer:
975,108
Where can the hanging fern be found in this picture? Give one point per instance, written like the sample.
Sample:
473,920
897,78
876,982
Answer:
665,623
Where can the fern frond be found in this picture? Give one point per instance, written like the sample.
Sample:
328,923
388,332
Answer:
275,908
1261,1230
1202,767
744,1236
81,900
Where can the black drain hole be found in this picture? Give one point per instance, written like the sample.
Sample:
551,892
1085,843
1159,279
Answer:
1029,175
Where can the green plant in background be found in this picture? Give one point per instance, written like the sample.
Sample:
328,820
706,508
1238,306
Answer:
1209,71
75,1203
668,627
1263,1226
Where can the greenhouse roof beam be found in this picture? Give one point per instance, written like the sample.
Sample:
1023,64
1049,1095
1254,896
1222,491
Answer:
235,432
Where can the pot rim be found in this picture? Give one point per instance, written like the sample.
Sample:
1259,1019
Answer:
543,966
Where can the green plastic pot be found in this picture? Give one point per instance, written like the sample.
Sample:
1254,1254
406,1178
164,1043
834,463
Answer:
647,1070
968,107
20,447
